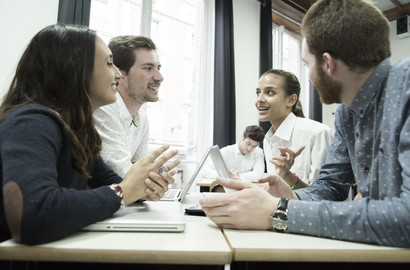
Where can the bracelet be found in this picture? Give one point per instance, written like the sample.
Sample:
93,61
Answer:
118,191
296,181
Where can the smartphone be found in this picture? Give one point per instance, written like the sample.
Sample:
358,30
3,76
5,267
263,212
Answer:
195,210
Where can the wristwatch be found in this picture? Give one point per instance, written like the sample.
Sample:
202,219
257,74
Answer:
279,219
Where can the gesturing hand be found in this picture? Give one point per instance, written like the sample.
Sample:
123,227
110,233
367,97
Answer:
285,161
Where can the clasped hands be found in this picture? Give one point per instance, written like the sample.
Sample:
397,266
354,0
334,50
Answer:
142,181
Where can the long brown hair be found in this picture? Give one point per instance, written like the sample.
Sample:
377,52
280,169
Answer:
55,71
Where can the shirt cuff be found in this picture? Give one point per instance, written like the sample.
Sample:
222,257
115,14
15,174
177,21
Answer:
303,217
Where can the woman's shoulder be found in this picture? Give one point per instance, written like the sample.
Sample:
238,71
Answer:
33,115
307,124
34,110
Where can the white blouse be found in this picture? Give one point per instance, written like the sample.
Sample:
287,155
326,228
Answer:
295,132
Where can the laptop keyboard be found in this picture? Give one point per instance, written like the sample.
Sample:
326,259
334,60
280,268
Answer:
171,193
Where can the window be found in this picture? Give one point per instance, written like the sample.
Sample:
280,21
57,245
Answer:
287,55
178,28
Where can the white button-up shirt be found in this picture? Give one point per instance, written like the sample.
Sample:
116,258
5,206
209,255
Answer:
124,139
295,132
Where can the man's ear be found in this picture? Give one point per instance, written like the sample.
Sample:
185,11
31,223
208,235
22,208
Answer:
329,64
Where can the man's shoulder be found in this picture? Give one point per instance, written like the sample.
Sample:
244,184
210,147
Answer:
113,107
402,64
397,81
108,111
258,151
228,147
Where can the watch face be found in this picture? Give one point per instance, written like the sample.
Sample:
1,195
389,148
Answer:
280,220
281,225
282,215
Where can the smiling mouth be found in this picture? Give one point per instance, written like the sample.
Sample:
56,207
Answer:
152,87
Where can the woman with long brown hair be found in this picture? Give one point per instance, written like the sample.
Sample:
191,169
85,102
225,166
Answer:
53,180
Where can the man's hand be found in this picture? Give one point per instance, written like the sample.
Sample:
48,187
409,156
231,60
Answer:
234,174
250,207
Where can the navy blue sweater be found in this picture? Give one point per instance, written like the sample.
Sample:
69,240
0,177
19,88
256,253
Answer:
35,153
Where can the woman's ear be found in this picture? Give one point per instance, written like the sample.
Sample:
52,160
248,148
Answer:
291,100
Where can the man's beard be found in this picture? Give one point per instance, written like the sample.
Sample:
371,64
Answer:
329,90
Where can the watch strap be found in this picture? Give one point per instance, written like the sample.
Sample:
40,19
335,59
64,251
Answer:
283,204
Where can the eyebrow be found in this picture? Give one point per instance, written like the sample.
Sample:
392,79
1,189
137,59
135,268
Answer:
150,64
271,88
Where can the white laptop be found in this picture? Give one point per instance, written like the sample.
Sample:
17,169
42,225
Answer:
213,151
147,216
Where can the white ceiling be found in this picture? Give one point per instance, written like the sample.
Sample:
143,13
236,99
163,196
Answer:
384,5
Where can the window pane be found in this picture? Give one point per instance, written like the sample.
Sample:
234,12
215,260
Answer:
291,54
286,52
114,18
176,31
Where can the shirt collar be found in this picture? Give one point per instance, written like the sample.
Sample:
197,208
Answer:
125,115
373,86
237,151
285,129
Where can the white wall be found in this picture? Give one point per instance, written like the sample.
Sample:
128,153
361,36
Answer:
400,47
20,21
246,18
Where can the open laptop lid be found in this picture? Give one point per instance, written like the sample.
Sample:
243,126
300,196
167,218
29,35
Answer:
220,165
219,162
196,172
148,216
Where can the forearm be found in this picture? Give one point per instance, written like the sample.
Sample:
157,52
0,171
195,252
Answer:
62,212
294,181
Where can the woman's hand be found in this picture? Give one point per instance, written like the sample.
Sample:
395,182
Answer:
284,162
277,187
143,180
